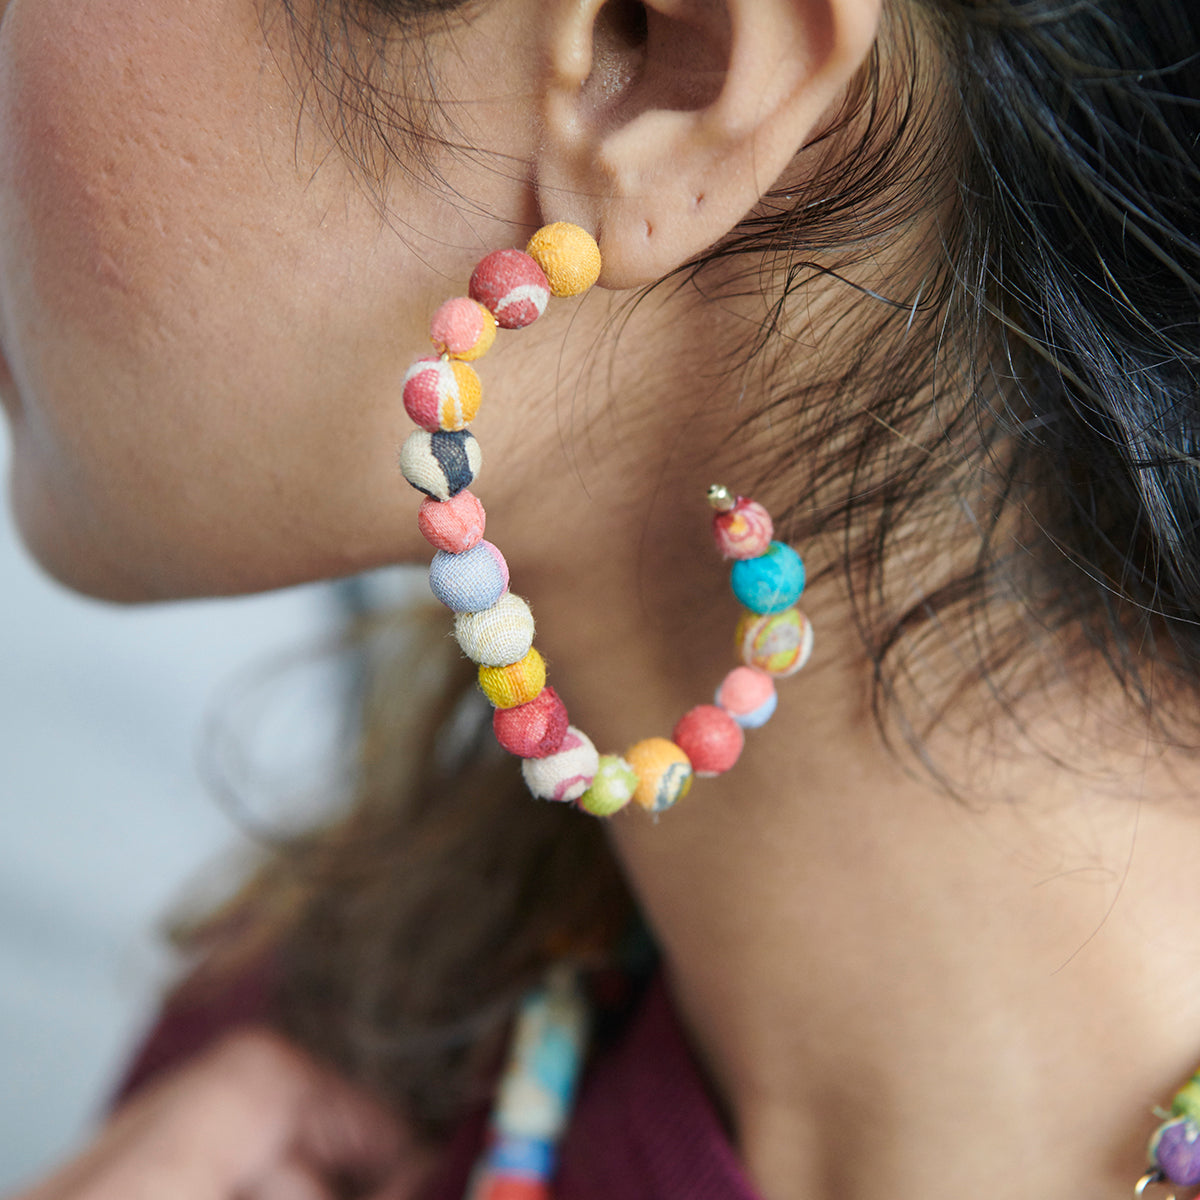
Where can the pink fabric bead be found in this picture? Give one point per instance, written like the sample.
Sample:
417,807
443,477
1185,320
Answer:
533,730
743,532
459,327
512,286
452,525
710,738
748,695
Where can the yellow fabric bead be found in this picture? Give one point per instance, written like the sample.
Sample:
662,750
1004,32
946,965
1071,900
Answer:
517,683
664,773
568,255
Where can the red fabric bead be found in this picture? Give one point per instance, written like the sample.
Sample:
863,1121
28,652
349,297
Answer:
710,738
452,525
512,287
533,730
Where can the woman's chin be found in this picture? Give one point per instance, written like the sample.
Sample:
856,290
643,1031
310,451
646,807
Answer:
67,556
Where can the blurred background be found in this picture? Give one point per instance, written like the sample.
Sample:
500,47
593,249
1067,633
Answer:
110,815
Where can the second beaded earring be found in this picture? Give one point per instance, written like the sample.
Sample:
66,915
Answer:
510,289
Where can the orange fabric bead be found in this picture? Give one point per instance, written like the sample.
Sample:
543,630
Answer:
568,255
664,773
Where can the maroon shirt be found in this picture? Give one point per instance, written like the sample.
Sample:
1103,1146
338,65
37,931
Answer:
644,1126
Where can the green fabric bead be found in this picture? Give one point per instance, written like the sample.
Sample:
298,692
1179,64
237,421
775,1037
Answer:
612,789
1187,1100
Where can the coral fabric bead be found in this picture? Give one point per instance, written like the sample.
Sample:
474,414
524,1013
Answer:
498,635
532,730
453,525
471,581
440,464
748,695
612,789
462,328
514,684
441,394
771,582
566,774
711,739
513,1187
743,532
780,643
568,255
512,287
664,773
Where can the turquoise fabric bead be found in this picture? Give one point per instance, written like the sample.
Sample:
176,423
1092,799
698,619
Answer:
770,583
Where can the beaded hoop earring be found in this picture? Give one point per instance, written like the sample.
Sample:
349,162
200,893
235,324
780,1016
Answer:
510,289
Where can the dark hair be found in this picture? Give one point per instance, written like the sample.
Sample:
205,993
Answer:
1023,403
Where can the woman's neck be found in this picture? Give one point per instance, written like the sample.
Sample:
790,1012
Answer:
896,993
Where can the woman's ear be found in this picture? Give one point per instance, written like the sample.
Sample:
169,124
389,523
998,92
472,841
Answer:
666,121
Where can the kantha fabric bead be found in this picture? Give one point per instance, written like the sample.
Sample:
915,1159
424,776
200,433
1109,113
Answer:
452,525
711,739
440,393
528,1157
779,644
463,329
532,730
1187,1100
748,695
612,789
1175,1151
512,287
744,531
664,773
498,635
516,683
567,774
471,581
771,582
568,255
440,464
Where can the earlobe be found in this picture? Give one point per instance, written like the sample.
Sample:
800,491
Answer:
667,121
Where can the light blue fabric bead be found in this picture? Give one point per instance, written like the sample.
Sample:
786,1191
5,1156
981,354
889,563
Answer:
471,581
770,583
530,1157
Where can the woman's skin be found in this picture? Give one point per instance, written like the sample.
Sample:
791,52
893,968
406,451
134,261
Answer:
205,312
250,1118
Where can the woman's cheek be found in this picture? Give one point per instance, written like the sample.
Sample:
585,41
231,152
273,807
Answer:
170,279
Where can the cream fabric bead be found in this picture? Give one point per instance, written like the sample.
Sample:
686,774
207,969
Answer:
440,464
566,774
498,635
